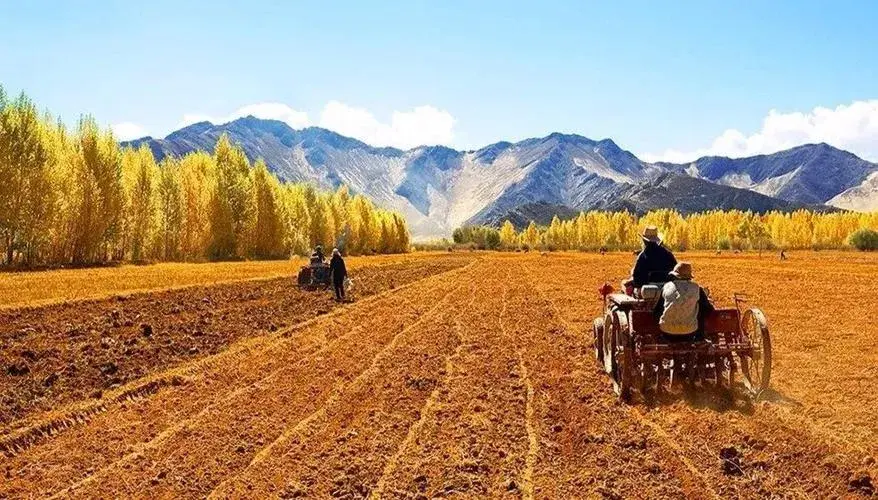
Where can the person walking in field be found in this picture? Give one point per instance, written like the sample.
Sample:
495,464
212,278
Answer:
682,306
339,273
654,262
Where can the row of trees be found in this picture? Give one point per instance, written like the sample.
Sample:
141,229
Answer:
77,197
716,229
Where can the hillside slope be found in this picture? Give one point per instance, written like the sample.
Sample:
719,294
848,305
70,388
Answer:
439,188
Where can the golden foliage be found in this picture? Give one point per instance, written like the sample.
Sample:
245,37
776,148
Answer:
717,229
79,198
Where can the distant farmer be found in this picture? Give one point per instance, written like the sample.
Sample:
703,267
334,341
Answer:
682,306
339,273
317,256
654,262
783,255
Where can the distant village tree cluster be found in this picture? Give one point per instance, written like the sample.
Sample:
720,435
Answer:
76,197
712,230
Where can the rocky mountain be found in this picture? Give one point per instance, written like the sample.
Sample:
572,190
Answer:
439,188
689,194
862,198
682,192
813,173
520,216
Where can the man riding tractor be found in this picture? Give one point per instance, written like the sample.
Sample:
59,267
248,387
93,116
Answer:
316,273
653,263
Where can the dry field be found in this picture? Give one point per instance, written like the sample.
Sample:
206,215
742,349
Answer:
466,375
60,285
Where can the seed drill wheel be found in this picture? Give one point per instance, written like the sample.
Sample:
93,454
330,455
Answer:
304,277
756,364
609,342
598,328
624,370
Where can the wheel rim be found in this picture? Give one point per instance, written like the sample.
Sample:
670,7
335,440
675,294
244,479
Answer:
609,333
753,363
624,369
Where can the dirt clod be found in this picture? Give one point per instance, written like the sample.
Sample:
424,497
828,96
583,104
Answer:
861,482
512,486
146,330
109,368
730,459
18,369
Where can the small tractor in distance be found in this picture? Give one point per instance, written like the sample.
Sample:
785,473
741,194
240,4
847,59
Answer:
314,276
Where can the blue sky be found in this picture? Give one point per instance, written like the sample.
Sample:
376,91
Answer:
663,79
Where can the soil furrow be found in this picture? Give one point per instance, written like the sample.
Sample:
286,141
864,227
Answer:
344,449
774,454
415,430
443,379
474,440
533,443
72,351
338,391
588,443
231,374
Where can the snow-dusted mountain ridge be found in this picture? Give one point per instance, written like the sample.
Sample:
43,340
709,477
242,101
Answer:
438,188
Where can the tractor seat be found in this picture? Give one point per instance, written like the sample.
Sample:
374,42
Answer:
650,292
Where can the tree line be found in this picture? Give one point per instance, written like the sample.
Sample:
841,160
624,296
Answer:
712,230
77,197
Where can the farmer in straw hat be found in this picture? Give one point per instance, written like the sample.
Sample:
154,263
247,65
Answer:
683,305
654,261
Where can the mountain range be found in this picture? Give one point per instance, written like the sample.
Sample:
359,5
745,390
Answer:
438,188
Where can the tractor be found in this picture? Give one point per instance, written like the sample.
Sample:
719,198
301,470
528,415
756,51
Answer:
314,276
639,358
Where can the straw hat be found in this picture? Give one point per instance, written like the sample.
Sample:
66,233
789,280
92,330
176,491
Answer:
683,271
650,233
335,251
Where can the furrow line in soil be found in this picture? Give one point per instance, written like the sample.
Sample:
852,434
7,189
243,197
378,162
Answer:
344,446
474,441
55,355
589,442
218,381
338,391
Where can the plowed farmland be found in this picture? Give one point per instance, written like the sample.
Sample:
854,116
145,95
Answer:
466,375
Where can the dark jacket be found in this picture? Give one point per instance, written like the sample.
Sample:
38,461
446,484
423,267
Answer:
337,268
653,264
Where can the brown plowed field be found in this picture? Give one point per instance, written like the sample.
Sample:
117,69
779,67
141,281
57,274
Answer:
466,375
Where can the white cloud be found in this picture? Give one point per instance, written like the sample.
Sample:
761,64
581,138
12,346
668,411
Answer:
264,110
853,127
126,131
424,125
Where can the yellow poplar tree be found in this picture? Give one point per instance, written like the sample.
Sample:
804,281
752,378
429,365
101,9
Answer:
508,236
